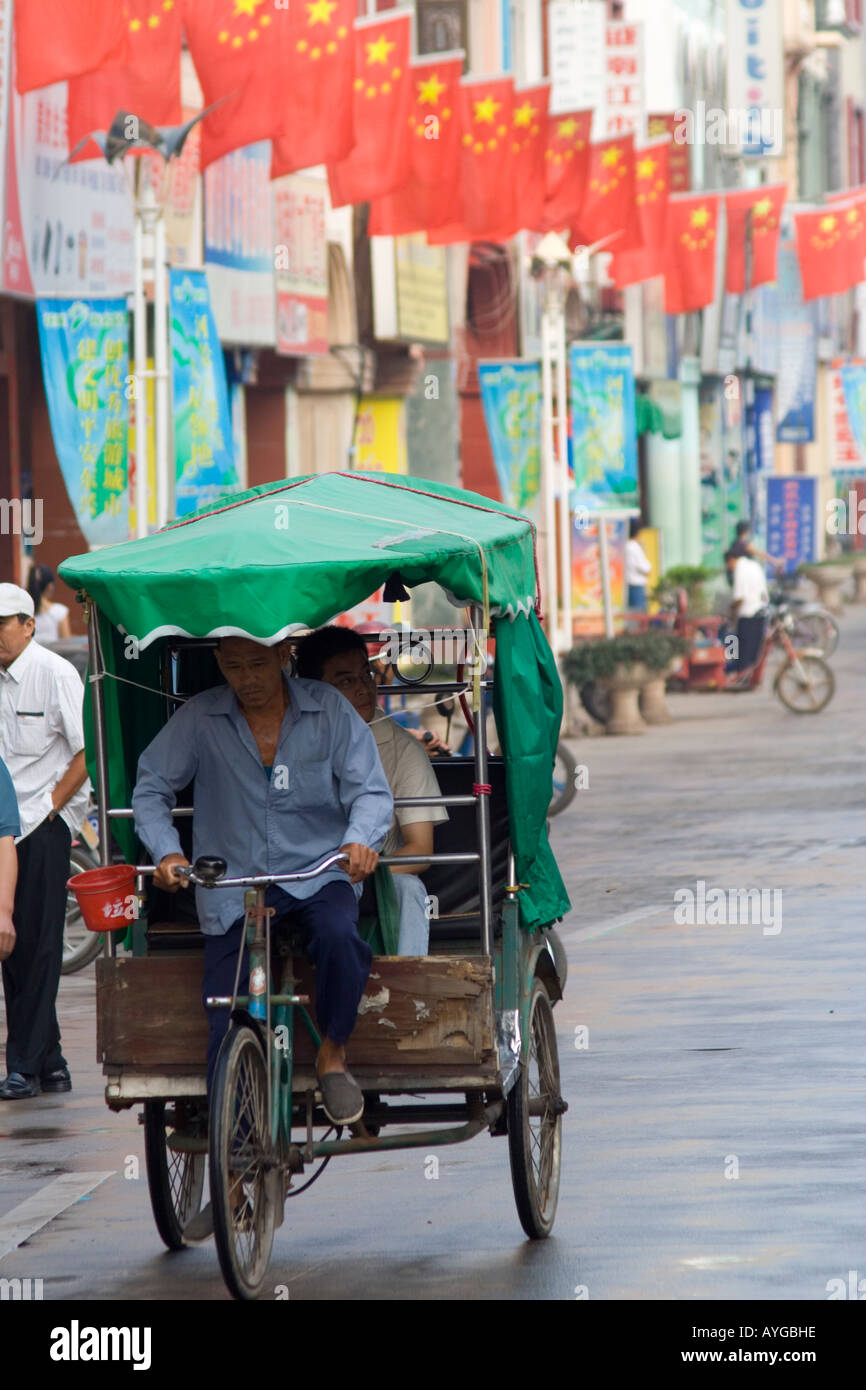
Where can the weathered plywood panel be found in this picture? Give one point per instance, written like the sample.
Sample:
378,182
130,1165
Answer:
424,1013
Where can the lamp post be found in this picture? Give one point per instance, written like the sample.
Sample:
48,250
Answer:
552,265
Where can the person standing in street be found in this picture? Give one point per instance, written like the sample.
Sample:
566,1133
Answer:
42,744
637,570
10,828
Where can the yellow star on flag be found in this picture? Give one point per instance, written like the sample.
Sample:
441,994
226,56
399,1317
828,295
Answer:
827,224
378,52
430,90
763,208
486,110
646,168
610,158
566,129
700,217
247,7
319,12
524,114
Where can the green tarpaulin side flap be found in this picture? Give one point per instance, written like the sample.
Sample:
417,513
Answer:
654,418
382,932
528,722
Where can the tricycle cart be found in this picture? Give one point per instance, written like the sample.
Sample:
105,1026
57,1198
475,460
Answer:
468,1028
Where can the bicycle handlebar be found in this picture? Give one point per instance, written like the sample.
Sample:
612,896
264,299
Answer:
214,879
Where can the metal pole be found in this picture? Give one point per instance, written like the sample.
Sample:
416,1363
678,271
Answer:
139,311
98,707
567,634
482,814
604,557
164,481
548,469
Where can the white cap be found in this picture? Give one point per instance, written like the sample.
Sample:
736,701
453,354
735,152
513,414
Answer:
14,600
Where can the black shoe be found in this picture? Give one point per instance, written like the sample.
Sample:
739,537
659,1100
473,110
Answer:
58,1080
18,1087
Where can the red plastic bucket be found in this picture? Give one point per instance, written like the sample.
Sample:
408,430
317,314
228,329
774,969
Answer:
107,897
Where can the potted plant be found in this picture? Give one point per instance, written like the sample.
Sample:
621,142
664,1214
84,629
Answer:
614,671
830,577
692,578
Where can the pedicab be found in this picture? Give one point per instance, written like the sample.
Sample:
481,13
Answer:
446,1046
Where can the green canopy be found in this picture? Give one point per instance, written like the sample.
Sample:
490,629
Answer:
295,553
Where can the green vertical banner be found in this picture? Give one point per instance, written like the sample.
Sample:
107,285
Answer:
603,426
204,458
84,345
511,397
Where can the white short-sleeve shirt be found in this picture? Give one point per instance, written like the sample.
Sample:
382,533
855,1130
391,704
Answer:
750,587
409,773
41,730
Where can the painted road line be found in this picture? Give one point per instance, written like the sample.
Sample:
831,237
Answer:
31,1215
628,918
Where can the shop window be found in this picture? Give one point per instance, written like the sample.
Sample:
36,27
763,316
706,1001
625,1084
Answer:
442,26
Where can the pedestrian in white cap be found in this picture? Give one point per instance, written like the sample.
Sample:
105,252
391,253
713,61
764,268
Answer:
42,744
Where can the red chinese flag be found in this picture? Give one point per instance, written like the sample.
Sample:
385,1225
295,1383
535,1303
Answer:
829,245
690,253
317,106
566,162
432,191
853,213
529,131
652,178
148,84
241,52
609,205
487,165
380,161
766,205
57,39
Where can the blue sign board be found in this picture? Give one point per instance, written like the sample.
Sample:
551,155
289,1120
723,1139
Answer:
791,514
603,426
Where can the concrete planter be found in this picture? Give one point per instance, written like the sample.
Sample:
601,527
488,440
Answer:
653,706
829,579
624,688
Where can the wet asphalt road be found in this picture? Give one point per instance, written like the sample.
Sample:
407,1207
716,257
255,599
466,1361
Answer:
713,1146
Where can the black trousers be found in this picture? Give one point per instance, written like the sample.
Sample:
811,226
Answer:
750,635
329,919
31,975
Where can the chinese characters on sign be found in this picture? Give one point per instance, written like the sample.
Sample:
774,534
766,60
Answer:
301,265
239,245
791,514
845,455
624,81
85,365
576,43
204,460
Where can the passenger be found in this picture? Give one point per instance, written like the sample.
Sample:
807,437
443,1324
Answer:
284,774
340,657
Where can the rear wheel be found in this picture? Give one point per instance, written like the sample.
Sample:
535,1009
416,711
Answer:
80,946
243,1190
596,701
805,684
176,1180
535,1121
817,630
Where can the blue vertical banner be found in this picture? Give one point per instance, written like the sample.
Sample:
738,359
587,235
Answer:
203,448
84,344
511,397
797,380
791,518
764,459
854,387
604,426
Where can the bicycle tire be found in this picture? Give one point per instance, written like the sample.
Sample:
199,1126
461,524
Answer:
175,1180
564,785
788,684
80,946
595,702
536,1159
241,1163
819,631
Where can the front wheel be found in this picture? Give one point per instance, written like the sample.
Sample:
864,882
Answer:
243,1191
535,1121
175,1180
805,684
817,630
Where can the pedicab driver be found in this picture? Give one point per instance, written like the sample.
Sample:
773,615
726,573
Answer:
285,772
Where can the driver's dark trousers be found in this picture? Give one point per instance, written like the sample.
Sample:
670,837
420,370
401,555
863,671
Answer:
329,920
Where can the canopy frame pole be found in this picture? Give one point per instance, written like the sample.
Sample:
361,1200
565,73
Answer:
97,697
482,804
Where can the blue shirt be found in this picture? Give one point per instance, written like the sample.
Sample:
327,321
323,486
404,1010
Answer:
9,823
327,789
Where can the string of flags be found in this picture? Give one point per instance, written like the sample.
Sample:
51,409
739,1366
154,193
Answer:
460,158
